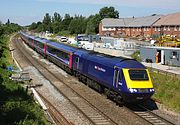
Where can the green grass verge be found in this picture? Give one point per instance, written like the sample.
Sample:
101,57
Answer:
16,106
167,90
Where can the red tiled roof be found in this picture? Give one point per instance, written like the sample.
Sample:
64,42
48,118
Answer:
170,19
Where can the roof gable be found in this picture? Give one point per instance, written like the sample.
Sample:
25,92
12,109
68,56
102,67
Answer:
170,19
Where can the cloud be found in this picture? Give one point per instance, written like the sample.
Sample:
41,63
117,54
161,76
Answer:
160,4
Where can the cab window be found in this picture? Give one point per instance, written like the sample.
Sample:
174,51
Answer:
120,76
138,75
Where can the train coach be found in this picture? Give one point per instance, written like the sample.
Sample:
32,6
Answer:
121,79
61,55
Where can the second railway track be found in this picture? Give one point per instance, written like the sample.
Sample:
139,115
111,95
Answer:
148,115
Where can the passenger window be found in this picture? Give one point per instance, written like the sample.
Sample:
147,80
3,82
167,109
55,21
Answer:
77,59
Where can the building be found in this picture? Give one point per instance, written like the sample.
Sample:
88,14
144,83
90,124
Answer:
162,55
168,24
141,26
114,27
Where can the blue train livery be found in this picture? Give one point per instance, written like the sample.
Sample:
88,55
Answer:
122,79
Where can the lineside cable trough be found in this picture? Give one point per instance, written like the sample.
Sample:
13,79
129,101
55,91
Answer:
21,77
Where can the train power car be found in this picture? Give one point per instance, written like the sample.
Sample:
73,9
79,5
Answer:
124,80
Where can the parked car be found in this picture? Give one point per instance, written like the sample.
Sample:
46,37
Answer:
63,39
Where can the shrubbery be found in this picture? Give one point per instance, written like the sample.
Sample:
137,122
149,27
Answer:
16,106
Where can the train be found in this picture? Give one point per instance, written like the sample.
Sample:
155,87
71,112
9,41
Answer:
121,79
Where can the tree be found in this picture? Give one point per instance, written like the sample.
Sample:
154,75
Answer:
56,17
93,24
66,21
108,12
47,23
33,26
56,22
8,22
1,30
78,25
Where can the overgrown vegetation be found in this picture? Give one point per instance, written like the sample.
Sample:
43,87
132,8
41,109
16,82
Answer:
167,90
136,55
73,25
16,106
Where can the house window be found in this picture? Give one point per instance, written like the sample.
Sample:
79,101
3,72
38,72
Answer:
133,29
147,29
155,29
175,28
168,28
179,28
144,29
159,29
137,29
164,28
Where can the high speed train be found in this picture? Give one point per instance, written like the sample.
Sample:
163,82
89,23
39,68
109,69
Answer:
121,79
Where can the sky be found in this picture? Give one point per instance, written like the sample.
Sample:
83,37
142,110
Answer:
24,12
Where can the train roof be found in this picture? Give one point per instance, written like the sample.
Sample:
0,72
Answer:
27,35
42,40
112,61
63,47
81,52
130,63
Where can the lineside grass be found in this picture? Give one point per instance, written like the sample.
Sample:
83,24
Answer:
167,90
16,106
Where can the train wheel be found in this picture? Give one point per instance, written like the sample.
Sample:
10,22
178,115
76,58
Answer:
119,100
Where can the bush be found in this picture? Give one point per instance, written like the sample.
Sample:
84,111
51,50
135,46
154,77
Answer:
136,55
16,106
64,33
14,100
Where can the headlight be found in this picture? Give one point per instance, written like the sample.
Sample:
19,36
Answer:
151,90
132,90
135,90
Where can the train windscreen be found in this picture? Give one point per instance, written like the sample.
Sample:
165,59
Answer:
138,74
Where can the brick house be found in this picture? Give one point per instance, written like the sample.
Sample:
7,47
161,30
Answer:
168,24
141,26
114,27
127,26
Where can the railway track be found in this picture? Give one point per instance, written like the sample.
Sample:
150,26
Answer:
148,115
58,118
94,115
